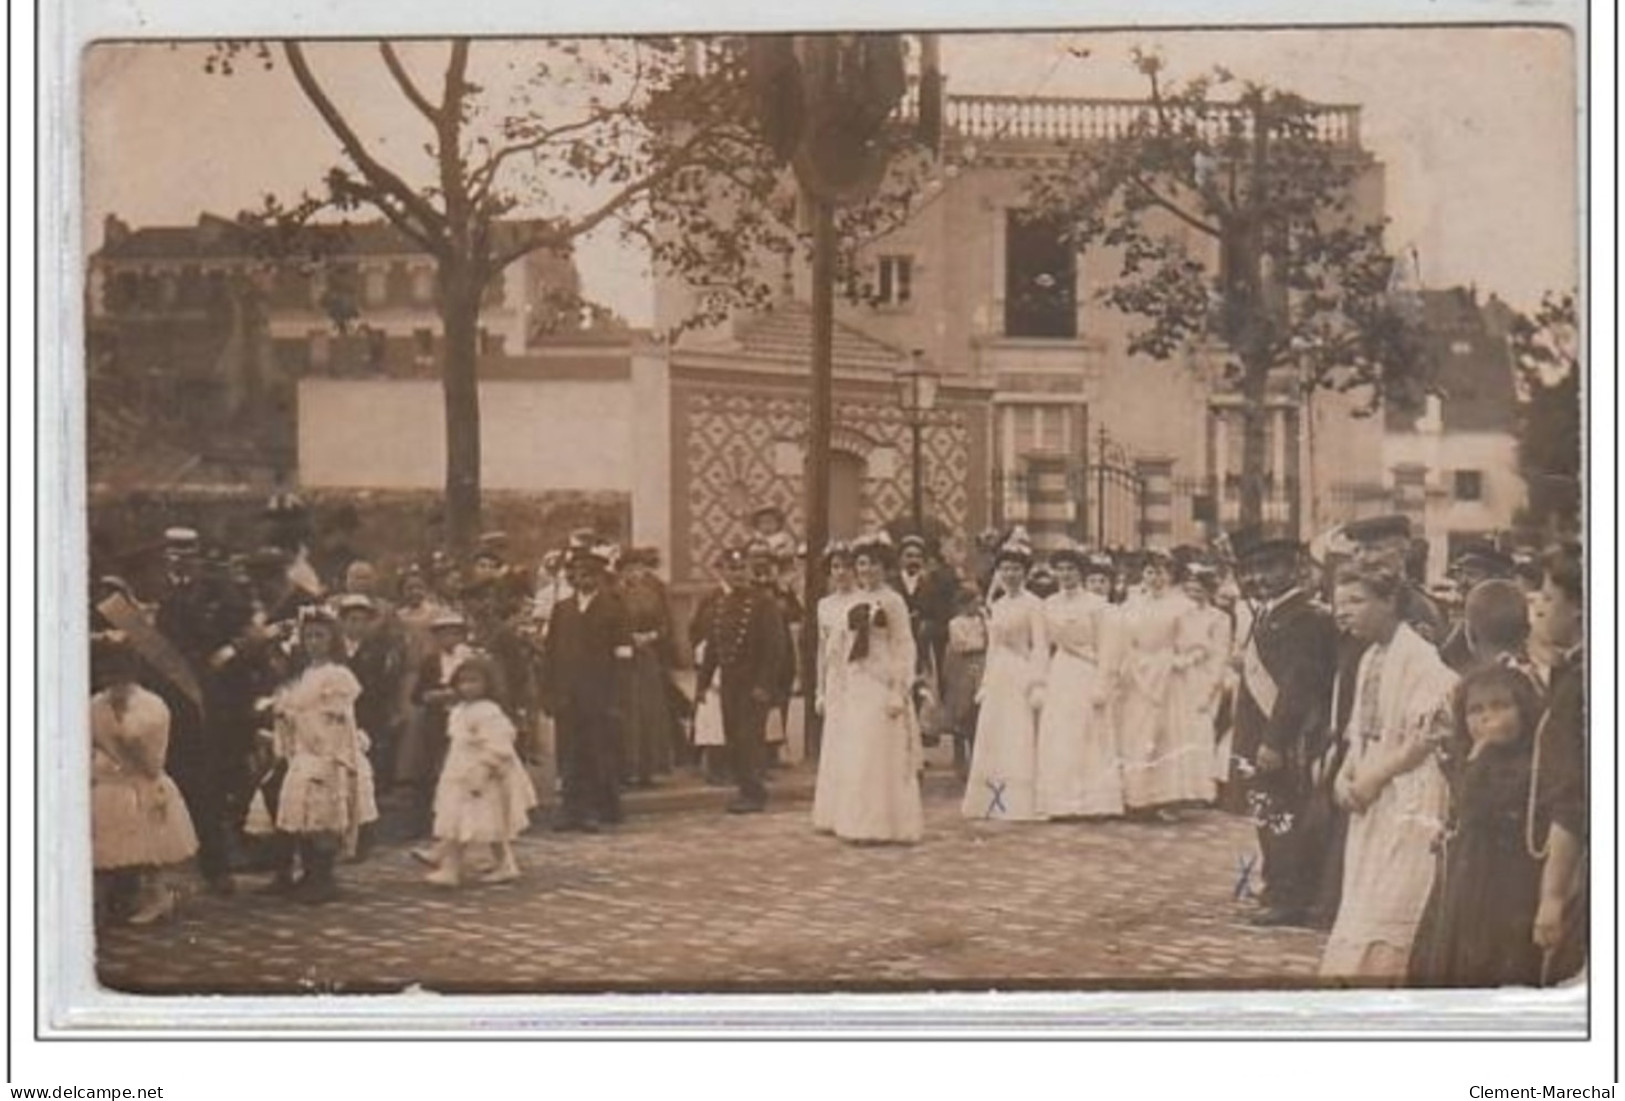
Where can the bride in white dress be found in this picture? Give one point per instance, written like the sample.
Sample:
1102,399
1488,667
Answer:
877,774
1001,784
1078,772
831,692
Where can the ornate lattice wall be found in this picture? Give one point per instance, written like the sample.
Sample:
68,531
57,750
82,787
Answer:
743,451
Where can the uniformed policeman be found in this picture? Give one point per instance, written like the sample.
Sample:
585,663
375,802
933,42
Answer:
1288,663
746,654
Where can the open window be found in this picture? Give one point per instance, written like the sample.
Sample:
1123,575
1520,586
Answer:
1040,278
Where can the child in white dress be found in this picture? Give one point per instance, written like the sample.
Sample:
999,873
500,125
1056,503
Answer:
485,795
319,802
140,826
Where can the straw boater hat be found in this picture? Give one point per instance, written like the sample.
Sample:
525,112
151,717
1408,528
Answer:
356,602
448,621
182,541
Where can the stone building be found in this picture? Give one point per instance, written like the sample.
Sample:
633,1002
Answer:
199,335
1454,467
1053,424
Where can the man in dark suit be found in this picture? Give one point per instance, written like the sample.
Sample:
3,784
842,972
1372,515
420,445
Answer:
377,664
199,616
585,668
745,654
1478,562
764,571
1288,662
929,594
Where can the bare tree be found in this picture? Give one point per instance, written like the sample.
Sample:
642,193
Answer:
659,134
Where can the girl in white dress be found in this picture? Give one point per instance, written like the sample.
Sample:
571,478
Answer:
878,792
1004,761
1203,642
1078,772
1390,782
320,801
484,795
831,689
140,827
1150,732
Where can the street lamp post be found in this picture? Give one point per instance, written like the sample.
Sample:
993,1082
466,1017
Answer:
917,392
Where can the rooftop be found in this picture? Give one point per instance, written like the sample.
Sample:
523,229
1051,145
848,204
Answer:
785,334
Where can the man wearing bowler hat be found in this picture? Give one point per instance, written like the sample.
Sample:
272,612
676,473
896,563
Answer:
1288,662
745,656
585,670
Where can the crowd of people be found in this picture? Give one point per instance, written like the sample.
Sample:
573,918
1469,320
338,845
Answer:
1415,771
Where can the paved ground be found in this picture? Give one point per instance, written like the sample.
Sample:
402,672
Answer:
692,899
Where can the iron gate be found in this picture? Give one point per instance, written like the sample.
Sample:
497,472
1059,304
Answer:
1113,497
1098,500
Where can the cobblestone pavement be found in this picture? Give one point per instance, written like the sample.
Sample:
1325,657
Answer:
699,900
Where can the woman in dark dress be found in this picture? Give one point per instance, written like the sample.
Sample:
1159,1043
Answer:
650,730
1478,928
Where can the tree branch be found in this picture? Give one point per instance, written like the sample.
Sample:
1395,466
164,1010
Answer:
562,235
408,88
432,223
453,169
1171,207
484,177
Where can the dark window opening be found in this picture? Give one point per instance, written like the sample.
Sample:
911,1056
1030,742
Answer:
1040,278
1469,485
896,280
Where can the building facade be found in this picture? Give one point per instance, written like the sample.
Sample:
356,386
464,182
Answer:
1454,468
1085,441
200,335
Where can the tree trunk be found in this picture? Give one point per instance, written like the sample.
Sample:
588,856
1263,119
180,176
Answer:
818,447
459,315
1254,441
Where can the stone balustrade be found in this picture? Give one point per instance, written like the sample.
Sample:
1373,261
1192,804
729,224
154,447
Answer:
1058,119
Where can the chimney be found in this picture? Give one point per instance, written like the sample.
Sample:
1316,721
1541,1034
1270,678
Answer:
114,231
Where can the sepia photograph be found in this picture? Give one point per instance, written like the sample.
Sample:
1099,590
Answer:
854,513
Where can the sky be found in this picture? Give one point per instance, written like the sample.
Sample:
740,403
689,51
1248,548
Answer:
1476,127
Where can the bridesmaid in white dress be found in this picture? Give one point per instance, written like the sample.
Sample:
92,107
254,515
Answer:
1078,771
831,691
878,774
1203,641
1150,731
1004,761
